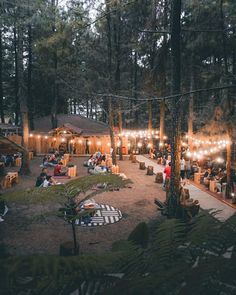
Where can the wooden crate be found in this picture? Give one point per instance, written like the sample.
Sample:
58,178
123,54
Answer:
197,177
72,171
18,162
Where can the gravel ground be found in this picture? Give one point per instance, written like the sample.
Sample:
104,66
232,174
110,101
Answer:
28,231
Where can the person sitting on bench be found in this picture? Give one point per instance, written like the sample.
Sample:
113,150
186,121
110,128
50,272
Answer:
58,170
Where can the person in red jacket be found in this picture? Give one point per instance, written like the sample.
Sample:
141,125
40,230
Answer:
58,170
167,172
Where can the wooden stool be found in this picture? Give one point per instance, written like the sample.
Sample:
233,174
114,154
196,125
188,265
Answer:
134,159
150,170
159,177
142,166
72,171
212,186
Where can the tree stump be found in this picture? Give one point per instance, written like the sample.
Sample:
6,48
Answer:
150,170
134,159
131,156
159,177
142,166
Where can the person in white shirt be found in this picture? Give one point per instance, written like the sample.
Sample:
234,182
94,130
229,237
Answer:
48,181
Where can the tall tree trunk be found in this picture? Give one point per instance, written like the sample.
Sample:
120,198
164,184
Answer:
163,75
190,115
91,108
87,107
1,81
54,108
29,90
117,43
162,120
175,108
74,106
112,136
135,87
23,104
109,57
16,88
224,39
149,115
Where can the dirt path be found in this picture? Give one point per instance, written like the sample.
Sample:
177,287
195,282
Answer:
45,233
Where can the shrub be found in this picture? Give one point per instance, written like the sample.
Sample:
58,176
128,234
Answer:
140,235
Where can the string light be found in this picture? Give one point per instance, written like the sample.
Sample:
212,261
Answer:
139,144
31,135
99,143
80,141
39,136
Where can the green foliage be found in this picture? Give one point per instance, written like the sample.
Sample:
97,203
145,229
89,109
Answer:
59,193
180,260
140,235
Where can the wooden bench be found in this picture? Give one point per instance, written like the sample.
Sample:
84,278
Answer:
10,178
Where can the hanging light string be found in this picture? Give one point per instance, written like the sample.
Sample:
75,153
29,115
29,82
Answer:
206,147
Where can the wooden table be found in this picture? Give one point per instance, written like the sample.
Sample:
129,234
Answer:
72,172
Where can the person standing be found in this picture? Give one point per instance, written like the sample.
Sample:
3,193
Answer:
167,172
87,146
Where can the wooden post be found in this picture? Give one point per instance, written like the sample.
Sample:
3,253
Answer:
162,120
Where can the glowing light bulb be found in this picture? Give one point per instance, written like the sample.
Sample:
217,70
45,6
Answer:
31,135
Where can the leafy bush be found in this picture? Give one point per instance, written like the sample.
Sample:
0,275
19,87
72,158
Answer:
140,235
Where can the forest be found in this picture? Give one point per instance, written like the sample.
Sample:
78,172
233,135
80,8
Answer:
75,56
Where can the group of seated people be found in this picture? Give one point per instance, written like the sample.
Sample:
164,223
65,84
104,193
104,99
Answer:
45,180
97,164
219,175
51,160
9,160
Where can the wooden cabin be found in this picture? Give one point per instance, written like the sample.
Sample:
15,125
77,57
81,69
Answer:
75,134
